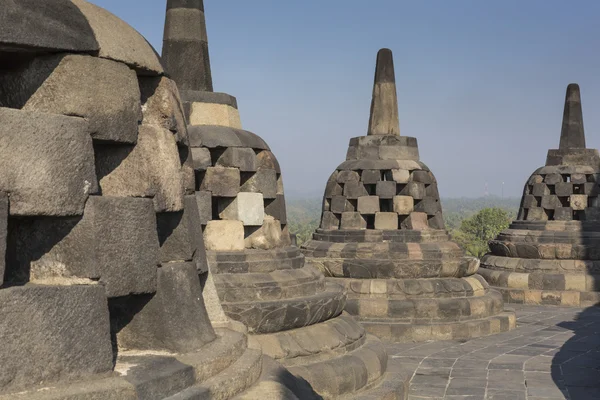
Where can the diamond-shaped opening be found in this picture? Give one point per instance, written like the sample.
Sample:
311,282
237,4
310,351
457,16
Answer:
386,205
371,189
578,189
578,215
370,221
549,213
564,201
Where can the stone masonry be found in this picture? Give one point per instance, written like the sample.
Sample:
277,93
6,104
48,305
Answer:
100,236
292,313
382,237
550,253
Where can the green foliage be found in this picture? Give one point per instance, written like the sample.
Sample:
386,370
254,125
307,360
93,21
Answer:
303,217
476,231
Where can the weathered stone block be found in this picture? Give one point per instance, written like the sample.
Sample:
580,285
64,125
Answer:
540,189
47,163
428,205
432,191
354,190
563,214
529,201
204,203
267,160
578,201
179,233
551,202
340,204
246,207
386,189
416,221
52,333
414,189
188,176
263,181
422,176
436,221
3,226
114,110
333,189
591,189
201,157
224,235
174,319
221,181
536,214
276,208
161,106
401,175
563,189
268,236
330,221
553,179
238,157
386,220
533,179
214,114
346,176
592,214
370,176
353,220
578,178
368,204
403,205
151,168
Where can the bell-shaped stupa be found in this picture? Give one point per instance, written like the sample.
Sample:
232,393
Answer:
551,253
291,311
382,236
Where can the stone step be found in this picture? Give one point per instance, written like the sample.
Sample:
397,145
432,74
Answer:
551,281
565,298
278,315
236,378
313,343
425,310
563,265
255,261
403,332
393,385
349,373
274,285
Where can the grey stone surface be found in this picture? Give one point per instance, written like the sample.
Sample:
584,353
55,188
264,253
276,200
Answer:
238,157
162,107
246,207
3,226
49,169
52,333
62,84
174,319
201,157
59,26
384,105
221,181
571,135
263,181
204,202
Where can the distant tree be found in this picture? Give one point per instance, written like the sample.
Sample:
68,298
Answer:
476,231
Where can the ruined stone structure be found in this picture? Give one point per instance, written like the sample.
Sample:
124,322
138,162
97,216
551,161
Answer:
100,239
291,312
382,237
551,253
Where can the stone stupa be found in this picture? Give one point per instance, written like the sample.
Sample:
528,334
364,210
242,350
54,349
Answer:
292,313
382,237
551,253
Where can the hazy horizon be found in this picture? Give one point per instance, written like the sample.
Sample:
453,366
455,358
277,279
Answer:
481,85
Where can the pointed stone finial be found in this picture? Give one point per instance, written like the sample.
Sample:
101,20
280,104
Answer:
572,135
185,45
384,105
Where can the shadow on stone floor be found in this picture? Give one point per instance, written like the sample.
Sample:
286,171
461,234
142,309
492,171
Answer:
576,366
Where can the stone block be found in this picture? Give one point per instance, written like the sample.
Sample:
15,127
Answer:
416,221
428,205
340,204
591,189
386,220
267,160
551,202
432,191
578,201
436,221
224,236
529,201
53,333
416,190
354,190
204,203
563,189
214,114
173,320
246,207
114,110
119,41
540,189
57,26
370,176
3,227
536,214
578,178
280,185
276,209
403,205
563,214
592,214
221,181
425,177
263,181
201,157
188,176
400,175
353,220
368,204
553,179
330,221
533,179
333,189
238,157
268,236
161,106
347,176
151,168
386,189
47,163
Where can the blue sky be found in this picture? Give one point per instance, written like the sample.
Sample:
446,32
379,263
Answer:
481,84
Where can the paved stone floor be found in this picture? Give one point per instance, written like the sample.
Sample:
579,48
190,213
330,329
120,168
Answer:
554,353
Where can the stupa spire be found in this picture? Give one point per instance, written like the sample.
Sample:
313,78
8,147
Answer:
572,135
384,105
185,45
